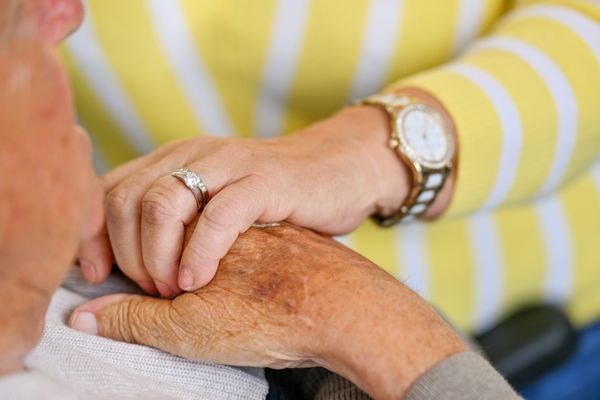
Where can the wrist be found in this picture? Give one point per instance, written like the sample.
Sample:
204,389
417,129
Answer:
391,173
385,337
388,178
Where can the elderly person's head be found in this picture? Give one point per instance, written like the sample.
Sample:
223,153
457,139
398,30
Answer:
51,198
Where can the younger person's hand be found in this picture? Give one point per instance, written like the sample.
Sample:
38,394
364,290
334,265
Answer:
328,177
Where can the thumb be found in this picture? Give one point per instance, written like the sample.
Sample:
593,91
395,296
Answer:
130,318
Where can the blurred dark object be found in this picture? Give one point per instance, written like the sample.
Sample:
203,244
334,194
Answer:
529,343
578,378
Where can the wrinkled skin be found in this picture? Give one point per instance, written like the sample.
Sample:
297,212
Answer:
329,176
324,177
51,199
258,309
289,297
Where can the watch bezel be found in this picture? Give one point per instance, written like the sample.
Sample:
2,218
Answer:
405,147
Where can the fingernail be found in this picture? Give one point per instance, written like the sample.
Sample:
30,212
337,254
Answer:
88,270
148,287
85,322
186,281
164,289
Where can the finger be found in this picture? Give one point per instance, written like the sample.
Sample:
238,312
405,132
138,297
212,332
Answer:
123,213
95,254
167,208
133,319
92,204
96,258
232,211
94,212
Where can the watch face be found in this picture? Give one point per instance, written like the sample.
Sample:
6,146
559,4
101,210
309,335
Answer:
424,137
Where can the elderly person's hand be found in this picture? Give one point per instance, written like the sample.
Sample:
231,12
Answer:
328,177
51,199
288,297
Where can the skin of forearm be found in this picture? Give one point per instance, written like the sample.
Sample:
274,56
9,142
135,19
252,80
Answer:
384,336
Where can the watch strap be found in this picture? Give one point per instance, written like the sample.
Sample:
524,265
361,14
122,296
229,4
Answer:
427,184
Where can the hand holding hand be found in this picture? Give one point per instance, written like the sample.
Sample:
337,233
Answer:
328,177
288,297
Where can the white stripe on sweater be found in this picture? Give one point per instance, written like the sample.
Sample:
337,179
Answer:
411,243
379,41
512,131
489,267
469,24
562,94
586,28
556,235
91,63
194,80
595,171
285,47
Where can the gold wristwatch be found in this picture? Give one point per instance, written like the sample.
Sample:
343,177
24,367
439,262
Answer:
425,143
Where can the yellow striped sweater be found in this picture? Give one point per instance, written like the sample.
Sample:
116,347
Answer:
521,79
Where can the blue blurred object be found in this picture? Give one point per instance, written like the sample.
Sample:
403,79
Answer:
578,378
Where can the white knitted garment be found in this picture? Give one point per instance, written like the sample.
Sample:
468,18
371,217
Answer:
68,364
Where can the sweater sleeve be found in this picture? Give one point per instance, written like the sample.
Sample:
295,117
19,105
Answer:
525,99
465,376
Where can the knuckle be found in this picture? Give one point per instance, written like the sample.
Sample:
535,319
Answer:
113,321
146,321
158,206
123,326
125,320
138,318
219,216
186,308
117,203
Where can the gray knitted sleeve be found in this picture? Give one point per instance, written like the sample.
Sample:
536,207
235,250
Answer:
465,376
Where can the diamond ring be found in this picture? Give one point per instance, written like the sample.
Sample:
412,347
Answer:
196,185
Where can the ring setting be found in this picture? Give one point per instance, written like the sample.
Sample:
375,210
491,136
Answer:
194,183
